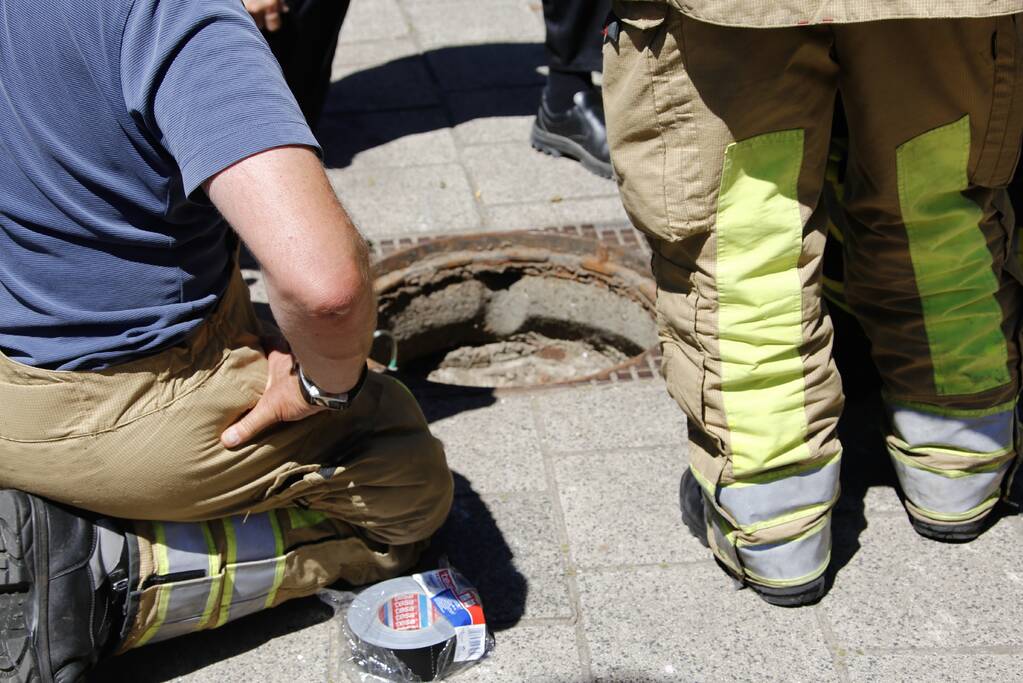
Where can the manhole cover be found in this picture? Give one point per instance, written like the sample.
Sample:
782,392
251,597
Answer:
514,309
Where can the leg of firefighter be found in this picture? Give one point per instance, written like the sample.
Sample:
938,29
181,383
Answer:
720,160
934,117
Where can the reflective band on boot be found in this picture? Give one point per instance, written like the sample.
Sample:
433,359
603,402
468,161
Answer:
193,590
754,503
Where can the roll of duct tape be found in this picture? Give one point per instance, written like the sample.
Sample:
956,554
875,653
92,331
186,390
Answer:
428,621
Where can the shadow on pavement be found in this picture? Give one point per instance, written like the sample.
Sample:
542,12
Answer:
181,656
423,92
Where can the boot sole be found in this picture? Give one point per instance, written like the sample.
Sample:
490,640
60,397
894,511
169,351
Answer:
949,533
18,658
558,146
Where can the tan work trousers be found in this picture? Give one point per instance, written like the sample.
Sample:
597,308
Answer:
719,140
350,495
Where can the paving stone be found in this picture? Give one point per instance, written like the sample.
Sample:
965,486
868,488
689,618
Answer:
402,201
621,507
610,417
593,210
900,590
493,115
516,173
497,447
534,654
933,668
684,624
507,546
373,20
470,22
403,83
287,643
387,138
369,53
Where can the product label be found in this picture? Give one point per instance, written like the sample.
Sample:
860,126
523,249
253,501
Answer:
409,612
458,602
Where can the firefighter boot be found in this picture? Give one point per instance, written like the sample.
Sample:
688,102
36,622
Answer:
63,578
692,502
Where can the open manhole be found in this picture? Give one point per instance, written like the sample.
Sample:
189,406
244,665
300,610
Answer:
514,309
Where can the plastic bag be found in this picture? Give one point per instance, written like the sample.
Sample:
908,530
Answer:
425,627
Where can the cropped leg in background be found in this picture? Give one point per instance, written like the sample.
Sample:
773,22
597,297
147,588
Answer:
304,46
570,121
214,533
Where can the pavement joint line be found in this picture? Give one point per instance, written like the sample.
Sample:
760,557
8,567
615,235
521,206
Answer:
990,650
831,643
613,568
561,528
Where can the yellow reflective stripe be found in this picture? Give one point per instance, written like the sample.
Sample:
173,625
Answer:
301,518
899,454
281,558
229,570
951,262
162,592
214,573
759,242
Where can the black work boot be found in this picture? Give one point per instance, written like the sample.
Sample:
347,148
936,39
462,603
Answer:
694,516
62,588
578,133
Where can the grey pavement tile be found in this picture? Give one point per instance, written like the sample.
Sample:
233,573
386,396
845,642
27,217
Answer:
373,20
387,138
686,624
287,643
900,590
424,200
933,668
496,447
369,53
403,83
493,115
594,211
508,547
467,22
515,172
487,66
610,417
532,654
621,507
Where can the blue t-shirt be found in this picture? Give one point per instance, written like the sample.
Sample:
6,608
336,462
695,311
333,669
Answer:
112,114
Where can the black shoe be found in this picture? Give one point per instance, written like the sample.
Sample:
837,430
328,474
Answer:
56,612
950,533
578,133
694,516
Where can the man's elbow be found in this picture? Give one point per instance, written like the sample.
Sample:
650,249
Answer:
332,296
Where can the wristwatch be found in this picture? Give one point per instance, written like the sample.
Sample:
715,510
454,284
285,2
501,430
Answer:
316,396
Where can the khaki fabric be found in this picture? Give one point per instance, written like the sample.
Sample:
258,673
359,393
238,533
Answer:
778,13
686,99
141,442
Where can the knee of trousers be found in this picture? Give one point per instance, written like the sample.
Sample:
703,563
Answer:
952,464
774,531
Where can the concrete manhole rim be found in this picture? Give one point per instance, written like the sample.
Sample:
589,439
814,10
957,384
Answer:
623,272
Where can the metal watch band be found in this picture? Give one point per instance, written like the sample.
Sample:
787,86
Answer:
315,396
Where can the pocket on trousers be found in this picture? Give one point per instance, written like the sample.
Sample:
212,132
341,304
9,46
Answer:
1001,143
650,103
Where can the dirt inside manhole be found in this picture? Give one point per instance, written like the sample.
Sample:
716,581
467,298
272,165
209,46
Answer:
514,309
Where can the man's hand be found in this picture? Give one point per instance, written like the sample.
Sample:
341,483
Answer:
281,402
267,13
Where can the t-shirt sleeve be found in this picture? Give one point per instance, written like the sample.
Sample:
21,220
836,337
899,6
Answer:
200,77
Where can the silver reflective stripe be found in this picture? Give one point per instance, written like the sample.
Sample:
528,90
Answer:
255,537
947,495
253,581
186,605
724,546
752,503
789,560
186,547
984,434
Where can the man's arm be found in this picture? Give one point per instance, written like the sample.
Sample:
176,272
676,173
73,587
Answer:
316,267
